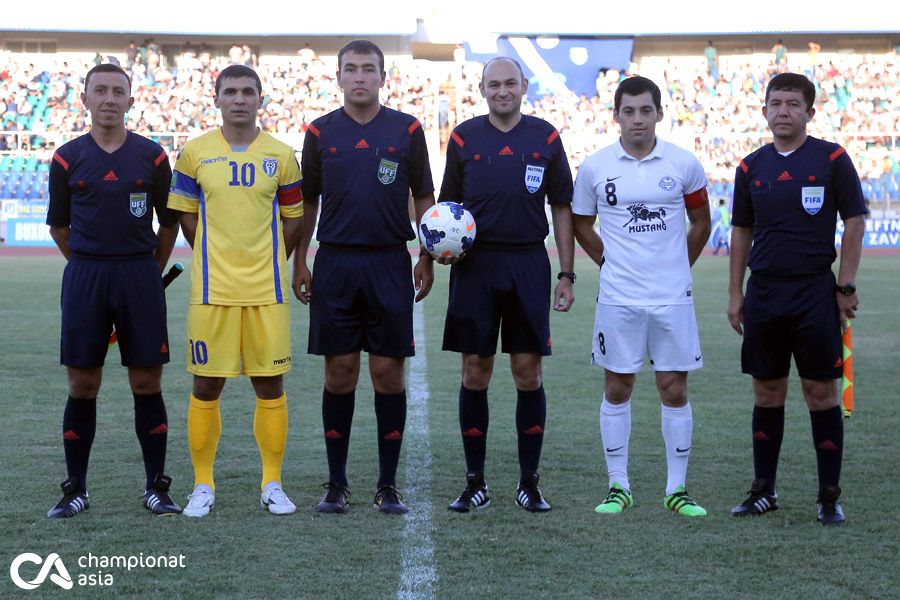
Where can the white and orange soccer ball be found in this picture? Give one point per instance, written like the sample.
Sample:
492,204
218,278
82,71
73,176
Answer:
447,230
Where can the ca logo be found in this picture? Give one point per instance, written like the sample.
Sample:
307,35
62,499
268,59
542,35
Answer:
60,578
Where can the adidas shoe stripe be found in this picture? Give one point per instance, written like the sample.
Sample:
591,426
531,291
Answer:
763,504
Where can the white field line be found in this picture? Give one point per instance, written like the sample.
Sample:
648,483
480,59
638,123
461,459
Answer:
418,571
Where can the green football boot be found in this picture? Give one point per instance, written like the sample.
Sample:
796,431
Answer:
617,500
680,502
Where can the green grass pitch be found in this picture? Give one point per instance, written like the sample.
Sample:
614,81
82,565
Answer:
241,552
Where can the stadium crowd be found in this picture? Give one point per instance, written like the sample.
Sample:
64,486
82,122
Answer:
858,103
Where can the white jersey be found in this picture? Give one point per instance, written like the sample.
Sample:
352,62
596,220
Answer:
641,209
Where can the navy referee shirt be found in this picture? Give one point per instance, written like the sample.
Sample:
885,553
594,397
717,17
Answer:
502,178
792,203
108,199
364,174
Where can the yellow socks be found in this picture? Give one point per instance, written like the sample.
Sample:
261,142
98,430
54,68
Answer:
204,430
270,426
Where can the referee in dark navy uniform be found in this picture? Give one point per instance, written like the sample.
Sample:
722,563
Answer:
364,160
787,199
504,167
104,188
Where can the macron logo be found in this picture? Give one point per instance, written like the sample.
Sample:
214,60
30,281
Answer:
60,578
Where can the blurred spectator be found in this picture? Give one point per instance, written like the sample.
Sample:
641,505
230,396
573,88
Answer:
779,51
130,54
235,55
712,61
306,54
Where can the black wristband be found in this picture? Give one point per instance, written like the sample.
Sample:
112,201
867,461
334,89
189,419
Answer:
848,289
567,274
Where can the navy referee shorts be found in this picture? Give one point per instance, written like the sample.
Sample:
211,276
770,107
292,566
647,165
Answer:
500,291
799,318
362,299
98,293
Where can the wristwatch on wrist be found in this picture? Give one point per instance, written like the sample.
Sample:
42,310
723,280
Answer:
567,274
848,289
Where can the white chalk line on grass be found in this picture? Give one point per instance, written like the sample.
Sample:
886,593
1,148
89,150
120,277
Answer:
418,571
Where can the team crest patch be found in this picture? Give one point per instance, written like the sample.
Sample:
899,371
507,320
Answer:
667,183
270,166
387,171
137,204
813,199
534,175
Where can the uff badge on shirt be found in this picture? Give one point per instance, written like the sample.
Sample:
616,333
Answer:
387,171
534,175
813,199
137,204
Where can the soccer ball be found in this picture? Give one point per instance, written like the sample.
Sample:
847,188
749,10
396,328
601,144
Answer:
447,230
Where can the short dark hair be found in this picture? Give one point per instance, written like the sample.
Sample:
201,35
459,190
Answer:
635,86
106,68
236,71
793,82
362,47
499,58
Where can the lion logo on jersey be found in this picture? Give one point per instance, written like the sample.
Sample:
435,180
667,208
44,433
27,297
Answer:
270,166
640,212
137,204
387,171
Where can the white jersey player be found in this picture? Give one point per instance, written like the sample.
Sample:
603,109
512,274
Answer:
640,189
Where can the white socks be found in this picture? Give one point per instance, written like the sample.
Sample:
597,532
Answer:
615,431
677,431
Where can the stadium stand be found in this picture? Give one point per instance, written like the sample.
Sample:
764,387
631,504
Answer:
858,105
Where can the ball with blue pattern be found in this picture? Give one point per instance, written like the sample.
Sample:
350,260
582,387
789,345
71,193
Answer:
447,230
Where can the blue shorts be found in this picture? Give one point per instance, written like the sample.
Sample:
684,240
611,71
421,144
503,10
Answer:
362,299
496,291
99,293
797,317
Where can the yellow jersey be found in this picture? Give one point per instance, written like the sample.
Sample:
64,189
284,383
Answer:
240,195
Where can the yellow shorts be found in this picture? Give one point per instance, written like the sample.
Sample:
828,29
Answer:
225,341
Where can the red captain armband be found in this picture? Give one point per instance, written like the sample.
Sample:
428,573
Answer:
289,195
696,199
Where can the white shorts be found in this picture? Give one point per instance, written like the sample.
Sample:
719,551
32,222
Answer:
624,335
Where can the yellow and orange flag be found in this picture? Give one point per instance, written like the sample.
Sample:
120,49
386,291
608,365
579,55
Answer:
847,383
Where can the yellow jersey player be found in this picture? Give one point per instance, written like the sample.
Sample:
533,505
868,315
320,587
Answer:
238,191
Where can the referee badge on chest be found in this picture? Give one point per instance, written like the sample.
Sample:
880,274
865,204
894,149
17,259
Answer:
387,171
137,204
813,199
534,176
270,166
